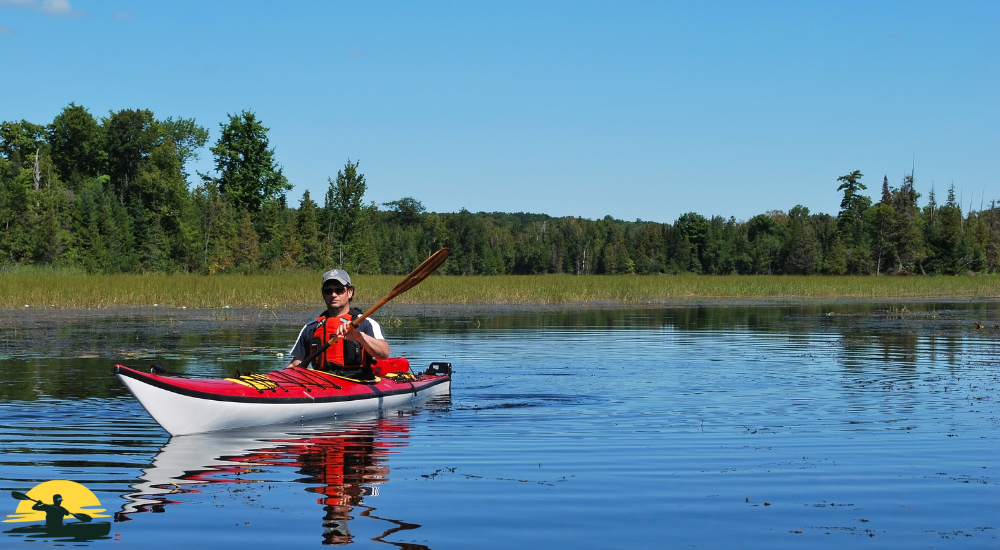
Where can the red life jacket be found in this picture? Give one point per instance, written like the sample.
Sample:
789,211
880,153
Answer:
344,353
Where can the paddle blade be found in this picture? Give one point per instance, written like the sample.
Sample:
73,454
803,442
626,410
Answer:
422,271
426,267
82,517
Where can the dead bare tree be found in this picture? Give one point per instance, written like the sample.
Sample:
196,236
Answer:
38,174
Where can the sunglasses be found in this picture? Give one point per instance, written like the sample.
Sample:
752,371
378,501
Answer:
338,290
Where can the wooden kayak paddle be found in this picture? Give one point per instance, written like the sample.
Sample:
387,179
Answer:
422,271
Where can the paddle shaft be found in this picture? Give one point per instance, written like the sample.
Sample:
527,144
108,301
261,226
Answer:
21,496
421,272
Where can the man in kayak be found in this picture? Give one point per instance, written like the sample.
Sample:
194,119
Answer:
54,513
352,355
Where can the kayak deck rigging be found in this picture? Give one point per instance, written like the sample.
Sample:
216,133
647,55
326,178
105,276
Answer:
307,379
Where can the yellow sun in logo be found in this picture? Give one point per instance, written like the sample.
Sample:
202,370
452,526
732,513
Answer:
75,497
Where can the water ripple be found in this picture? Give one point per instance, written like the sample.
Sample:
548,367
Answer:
709,427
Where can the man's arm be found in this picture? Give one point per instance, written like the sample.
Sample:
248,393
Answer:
301,349
376,347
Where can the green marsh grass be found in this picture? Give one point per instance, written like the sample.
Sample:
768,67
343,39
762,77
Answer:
77,290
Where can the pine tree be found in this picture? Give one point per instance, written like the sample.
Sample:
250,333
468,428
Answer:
364,243
932,234
290,246
803,253
906,231
949,218
117,227
881,220
308,233
247,245
852,206
835,262
345,203
222,245
218,229
249,175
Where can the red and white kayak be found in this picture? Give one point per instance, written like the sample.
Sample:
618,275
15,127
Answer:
191,405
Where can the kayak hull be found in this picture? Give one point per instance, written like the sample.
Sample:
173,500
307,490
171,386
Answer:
79,531
187,406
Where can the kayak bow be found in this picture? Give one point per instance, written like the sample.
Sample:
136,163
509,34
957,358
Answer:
189,405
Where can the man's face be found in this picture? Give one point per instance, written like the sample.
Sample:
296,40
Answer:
337,295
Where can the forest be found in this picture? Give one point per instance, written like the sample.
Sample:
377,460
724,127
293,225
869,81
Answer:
111,195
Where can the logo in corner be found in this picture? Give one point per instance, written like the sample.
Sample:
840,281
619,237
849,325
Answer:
40,503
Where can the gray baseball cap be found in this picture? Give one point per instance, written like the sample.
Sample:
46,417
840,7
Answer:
338,275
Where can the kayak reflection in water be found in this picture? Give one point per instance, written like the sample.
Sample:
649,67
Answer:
346,469
54,513
342,467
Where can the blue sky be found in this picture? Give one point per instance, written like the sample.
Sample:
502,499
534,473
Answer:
630,109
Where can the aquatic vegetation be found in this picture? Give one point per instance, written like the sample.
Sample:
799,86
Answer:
66,289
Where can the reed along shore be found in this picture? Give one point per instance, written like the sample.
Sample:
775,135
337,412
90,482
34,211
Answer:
18,290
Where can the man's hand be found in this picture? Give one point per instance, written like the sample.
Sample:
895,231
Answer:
348,332
378,349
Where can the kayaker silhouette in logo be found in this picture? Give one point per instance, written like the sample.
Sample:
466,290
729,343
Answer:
54,513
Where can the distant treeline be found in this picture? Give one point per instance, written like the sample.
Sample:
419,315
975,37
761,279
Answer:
111,195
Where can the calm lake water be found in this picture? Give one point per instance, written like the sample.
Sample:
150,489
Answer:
707,427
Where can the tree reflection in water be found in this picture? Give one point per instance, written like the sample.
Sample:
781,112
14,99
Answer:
341,466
